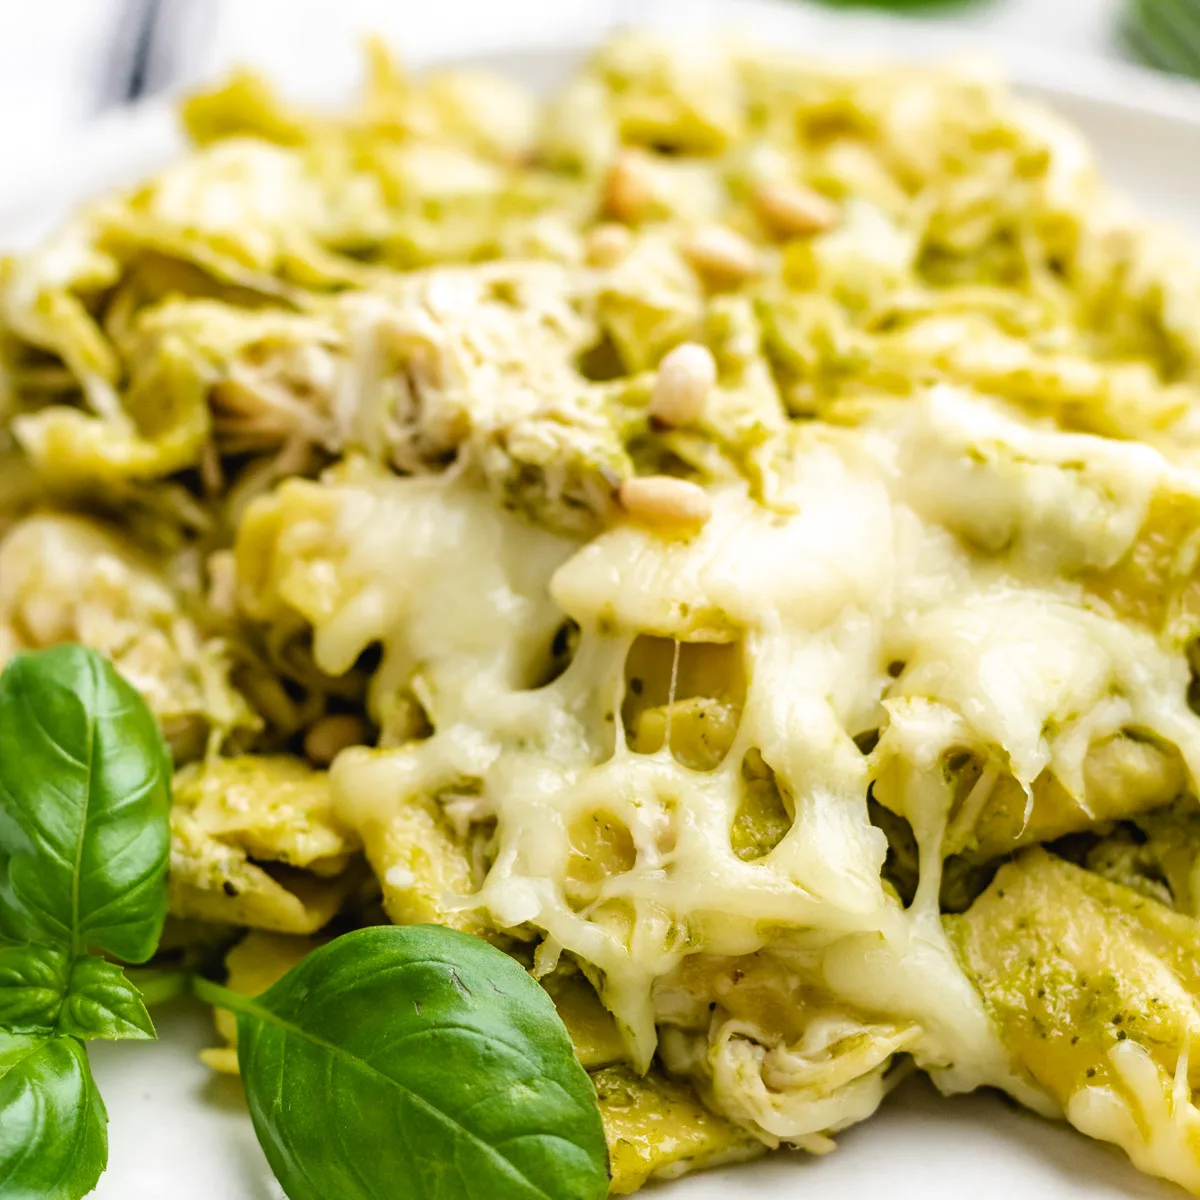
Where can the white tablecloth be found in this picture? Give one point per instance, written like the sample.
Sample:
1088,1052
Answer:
56,56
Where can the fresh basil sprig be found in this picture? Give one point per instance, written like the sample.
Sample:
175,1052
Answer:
84,841
409,1063
416,1063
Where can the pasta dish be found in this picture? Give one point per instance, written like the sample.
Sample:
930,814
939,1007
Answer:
727,535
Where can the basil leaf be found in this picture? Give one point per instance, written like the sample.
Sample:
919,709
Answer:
84,802
43,991
33,981
53,1127
1167,34
101,1003
417,1063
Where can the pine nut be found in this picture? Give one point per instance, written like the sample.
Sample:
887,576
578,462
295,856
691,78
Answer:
663,502
722,255
686,376
792,210
628,191
607,244
328,736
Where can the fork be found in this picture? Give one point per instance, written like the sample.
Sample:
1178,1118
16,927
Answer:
153,46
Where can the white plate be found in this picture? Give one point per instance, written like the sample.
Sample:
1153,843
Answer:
177,1132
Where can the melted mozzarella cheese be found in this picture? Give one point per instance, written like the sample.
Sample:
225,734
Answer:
855,570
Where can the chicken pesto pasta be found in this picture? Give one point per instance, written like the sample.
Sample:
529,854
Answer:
728,535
